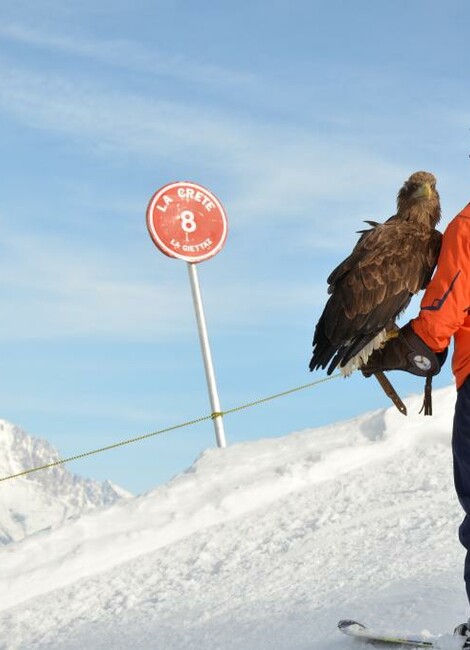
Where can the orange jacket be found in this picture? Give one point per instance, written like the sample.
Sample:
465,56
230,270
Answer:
445,307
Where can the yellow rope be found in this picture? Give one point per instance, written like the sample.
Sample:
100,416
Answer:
216,414
286,392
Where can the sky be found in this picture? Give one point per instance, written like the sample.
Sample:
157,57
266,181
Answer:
304,119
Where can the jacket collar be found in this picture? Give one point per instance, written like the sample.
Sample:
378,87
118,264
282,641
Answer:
466,211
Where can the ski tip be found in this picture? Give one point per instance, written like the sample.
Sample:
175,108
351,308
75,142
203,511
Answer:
346,623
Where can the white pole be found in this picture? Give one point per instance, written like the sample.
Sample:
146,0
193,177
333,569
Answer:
206,354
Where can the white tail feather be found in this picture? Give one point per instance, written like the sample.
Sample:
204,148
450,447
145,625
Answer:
360,359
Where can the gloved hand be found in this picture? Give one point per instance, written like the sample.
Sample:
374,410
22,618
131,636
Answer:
406,352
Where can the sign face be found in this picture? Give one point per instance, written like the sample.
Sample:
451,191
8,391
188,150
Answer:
186,221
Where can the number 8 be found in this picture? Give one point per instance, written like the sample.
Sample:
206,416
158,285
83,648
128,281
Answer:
187,221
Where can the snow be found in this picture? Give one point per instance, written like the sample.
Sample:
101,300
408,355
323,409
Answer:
46,498
263,545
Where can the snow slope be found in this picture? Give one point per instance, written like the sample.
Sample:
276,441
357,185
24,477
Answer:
260,546
46,498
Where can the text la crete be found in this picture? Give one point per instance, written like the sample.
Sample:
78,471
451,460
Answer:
187,193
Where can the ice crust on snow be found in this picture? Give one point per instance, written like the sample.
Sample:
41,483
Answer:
260,546
46,498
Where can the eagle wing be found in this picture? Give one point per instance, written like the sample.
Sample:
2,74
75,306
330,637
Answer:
371,287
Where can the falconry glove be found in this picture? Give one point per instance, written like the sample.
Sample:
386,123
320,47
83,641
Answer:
408,352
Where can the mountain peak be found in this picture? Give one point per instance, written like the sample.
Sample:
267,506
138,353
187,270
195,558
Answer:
45,498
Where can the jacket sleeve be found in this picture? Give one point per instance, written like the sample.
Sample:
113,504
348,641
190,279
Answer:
446,301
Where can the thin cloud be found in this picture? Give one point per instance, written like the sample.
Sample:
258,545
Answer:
126,54
51,290
276,169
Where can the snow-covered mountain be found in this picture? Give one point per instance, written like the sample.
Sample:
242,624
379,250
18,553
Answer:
45,498
260,546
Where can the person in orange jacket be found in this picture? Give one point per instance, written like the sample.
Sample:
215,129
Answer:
445,313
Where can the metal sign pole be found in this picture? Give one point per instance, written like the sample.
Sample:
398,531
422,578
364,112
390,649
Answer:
206,354
186,221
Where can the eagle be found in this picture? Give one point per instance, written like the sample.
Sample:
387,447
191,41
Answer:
390,263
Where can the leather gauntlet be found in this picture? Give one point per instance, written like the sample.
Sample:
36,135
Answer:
406,352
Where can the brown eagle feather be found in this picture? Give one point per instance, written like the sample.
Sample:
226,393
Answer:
389,264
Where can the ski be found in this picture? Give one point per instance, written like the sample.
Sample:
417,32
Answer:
359,631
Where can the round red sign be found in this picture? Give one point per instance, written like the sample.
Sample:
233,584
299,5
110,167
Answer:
187,221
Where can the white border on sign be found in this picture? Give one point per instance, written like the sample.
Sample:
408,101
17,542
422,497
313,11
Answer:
158,241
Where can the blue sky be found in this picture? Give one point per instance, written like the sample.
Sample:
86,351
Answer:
304,118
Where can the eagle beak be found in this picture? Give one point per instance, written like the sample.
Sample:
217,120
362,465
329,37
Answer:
424,191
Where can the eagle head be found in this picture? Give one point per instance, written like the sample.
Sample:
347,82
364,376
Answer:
418,200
